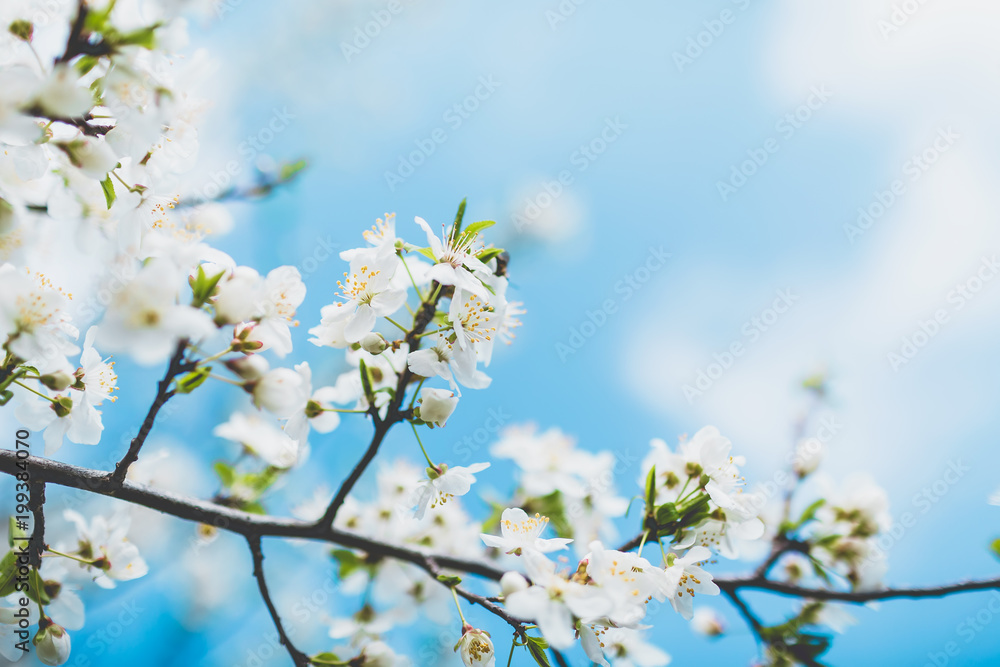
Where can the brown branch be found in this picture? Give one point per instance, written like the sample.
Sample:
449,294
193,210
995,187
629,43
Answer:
226,518
744,611
299,658
781,546
36,502
432,568
394,415
78,44
855,597
255,525
163,394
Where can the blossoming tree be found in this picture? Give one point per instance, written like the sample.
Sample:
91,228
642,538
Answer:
95,126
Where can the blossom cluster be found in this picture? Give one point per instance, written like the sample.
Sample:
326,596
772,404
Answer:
97,126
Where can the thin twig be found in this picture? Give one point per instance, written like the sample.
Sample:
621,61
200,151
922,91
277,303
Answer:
857,597
745,612
36,503
163,394
298,657
431,566
393,415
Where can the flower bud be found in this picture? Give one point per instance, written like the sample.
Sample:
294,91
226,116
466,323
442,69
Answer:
250,368
236,297
707,622
52,643
374,343
808,454
436,405
512,582
475,647
23,30
279,392
62,406
57,381
245,338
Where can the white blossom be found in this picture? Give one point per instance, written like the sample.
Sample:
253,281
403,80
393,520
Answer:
436,405
444,484
261,438
519,534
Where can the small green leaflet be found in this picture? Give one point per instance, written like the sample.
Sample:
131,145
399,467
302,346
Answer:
109,190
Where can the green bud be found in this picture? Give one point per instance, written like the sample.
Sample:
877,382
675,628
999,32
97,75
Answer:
374,343
22,29
62,406
313,409
246,346
57,381
672,479
693,469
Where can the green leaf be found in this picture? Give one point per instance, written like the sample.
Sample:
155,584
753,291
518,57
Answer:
144,37
667,514
456,228
85,64
8,572
36,589
191,381
449,580
366,382
695,513
15,534
651,491
426,252
289,170
109,191
5,396
809,514
203,286
327,659
225,472
477,227
995,547
489,253
818,569
536,646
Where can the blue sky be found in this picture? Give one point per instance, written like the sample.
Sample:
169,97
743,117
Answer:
886,96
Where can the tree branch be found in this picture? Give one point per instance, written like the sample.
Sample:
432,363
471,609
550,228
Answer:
430,564
163,394
226,518
256,526
855,597
36,502
76,43
299,658
781,546
393,414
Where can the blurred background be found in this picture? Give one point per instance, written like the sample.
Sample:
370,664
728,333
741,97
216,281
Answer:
836,161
